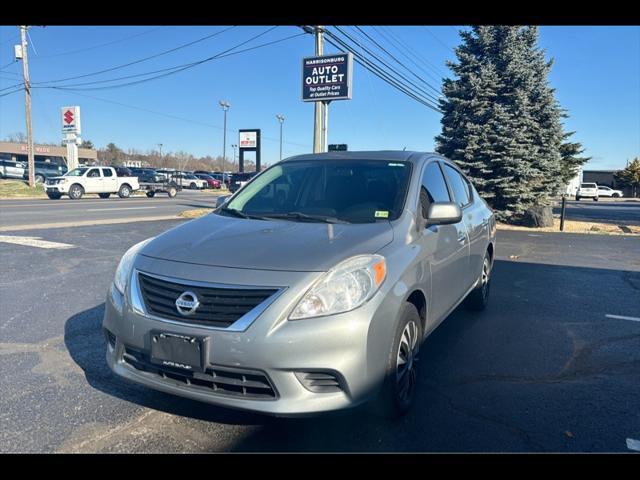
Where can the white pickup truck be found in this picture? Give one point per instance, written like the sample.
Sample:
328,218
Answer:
101,180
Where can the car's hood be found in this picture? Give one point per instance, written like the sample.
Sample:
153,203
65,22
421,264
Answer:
267,245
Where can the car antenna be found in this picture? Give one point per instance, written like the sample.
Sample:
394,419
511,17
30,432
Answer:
404,148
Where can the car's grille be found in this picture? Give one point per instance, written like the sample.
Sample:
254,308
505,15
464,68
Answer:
219,307
215,379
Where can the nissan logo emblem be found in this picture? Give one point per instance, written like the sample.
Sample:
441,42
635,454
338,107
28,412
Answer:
187,303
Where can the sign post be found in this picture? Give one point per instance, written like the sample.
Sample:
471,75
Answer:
249,141
324,79
71,131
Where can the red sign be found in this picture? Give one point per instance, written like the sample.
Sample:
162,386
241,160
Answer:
68,116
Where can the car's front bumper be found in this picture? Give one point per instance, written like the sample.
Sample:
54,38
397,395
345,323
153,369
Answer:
57,188
345,345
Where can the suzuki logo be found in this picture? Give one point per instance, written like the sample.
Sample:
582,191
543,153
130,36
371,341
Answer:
68,116
187,303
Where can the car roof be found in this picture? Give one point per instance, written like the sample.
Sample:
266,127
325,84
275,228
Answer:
380,155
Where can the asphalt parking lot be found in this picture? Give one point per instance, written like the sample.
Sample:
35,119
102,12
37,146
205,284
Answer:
618,212
23,213
553,364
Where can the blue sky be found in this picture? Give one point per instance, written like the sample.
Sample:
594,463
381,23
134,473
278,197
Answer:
596,74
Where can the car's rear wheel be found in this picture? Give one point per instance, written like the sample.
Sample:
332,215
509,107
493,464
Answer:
75,192
479,296
125,191
595,199
104,195
151,194
172,192
39,179
400,381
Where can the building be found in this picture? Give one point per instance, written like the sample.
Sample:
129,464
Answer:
605,177
17,152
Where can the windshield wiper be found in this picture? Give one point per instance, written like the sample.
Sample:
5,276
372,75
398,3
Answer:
238,213
304,217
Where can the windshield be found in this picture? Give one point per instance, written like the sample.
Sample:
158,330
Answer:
353,191
77,172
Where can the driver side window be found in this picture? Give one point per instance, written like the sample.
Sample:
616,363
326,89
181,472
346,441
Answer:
434,187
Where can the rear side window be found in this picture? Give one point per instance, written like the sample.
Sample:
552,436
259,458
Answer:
459,186
433,189
107,172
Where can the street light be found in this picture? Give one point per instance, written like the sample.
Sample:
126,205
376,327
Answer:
281,120
161,164
225,106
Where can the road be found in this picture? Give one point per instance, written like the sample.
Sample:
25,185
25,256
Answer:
542,369
31,213
618,212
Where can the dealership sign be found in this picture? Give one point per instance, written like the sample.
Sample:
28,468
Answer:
248,139
71,120
327,78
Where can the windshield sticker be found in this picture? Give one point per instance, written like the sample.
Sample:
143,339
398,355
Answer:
382,214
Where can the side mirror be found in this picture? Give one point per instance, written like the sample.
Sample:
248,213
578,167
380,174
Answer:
443,213
221,199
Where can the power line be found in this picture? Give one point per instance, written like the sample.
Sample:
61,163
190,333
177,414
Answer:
95,47
175,69
379,72
414,53
399,62
447,47
117,67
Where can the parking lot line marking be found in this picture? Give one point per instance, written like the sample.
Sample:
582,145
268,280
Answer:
112,209
633,444
34,242
622,317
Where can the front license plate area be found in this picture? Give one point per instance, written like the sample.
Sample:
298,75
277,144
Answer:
178,351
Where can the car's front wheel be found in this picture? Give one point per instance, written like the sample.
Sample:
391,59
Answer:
400,381
479,296
75,192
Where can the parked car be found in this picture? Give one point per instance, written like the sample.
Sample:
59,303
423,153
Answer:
188,180
44,170
11,169
148,175
604,191
211,182
238,180
101,180
587,190
123,171
334,269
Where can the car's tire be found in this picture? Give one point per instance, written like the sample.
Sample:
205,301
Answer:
54,196
39,179
396,395
125,191
76,191
104,195
172,192
616,195
577,199
151,194
479,297
193,186
595,199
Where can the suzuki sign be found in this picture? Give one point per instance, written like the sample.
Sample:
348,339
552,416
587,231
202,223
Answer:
71,120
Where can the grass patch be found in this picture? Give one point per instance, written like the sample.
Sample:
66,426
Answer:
18,188
195,213
574,226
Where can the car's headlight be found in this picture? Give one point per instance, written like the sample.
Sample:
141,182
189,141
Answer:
123,272
343,288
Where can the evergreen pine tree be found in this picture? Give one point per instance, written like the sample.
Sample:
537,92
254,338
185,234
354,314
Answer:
501,122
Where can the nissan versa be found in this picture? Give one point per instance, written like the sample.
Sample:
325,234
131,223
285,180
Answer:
310,289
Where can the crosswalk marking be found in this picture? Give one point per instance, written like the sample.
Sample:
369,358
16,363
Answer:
34,242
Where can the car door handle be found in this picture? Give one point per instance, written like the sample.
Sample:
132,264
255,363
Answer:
461,237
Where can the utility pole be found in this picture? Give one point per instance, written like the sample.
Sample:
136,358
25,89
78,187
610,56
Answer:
225,106
27,104
319,107
281,120
234,146
160,146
